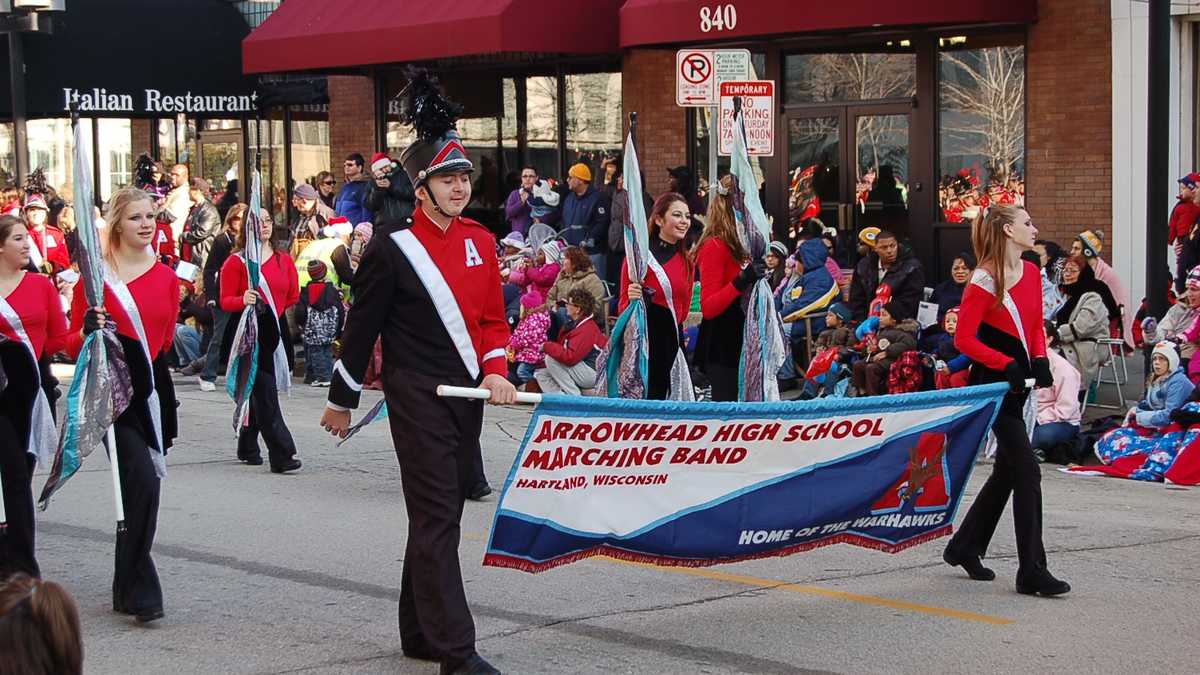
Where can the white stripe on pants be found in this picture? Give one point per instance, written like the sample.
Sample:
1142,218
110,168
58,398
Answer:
557,377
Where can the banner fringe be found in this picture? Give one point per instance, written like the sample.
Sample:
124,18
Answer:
493,559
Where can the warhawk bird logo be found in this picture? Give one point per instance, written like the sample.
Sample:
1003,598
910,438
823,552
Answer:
923,484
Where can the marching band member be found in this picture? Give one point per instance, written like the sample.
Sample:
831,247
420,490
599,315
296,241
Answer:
141,297
32,320
1000,330
431,289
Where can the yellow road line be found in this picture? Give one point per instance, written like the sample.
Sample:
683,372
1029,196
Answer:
817,590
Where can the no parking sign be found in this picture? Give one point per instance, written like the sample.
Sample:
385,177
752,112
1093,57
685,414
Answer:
758,110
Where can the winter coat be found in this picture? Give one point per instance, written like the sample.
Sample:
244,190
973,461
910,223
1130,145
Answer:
1177,321
320,299
895,340
905,277
577,342
1163,396
815,291
526,341
222,248
517,212
1120,292
947,295
351,201
585,220
1077,337
1059,402
392,205
588,281
834,337
542,277
203,224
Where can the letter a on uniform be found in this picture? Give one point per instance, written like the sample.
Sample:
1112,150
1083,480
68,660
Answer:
924,480
473,257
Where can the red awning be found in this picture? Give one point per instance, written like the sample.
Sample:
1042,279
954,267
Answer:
323,35
658,22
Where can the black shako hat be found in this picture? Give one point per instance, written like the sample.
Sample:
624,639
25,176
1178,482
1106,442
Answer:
437,148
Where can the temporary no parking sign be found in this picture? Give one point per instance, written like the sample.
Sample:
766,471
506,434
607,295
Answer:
758,110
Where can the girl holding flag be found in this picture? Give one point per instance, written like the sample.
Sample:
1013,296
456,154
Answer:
141,298
278,288
33,327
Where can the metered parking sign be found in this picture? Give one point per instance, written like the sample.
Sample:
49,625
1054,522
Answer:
758,110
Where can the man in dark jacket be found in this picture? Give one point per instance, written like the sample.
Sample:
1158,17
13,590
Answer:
352,198
203,222
391,196
887,266
585,216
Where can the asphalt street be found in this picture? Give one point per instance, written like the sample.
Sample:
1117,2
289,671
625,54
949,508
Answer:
299,573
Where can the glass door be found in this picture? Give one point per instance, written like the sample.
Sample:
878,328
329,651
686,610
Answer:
815,142
880,157
219,154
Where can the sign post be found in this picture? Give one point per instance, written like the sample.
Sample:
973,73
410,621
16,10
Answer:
758,111
699,74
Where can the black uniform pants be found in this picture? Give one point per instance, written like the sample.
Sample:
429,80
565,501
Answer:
1015,472
16,472
662,342
437,445
135,580
266,419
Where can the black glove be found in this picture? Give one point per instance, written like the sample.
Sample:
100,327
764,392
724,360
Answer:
747,278
1185,417
92,321
1041,372
1015,377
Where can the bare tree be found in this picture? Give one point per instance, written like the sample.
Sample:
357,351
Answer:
985,91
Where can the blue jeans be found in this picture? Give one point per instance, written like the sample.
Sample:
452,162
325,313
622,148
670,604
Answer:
187,344
525,371
318,362
1046,436
213,360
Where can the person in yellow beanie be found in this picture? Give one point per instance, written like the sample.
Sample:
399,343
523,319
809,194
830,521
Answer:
586,215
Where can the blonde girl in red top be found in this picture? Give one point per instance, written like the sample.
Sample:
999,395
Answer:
278,289
32,320
141,300
1000,330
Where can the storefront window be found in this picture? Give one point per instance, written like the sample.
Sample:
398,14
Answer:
266,142
593,106
114,158
541,119
167,145
981,129
819,78
7,154
51,150
310,146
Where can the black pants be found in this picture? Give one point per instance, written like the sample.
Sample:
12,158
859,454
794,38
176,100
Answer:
16,471
662,342
1015,472
724,382
135,580
267,420
437,445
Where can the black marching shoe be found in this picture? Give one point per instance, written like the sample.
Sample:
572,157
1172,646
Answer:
252,461
1043,583
149,614
475,665
970,565
478,492
290,465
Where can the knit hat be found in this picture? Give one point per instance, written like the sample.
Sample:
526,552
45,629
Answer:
1093,243
1193,278
35,201
581,171
841,311
1167,351
868,235
514,239
364,231
381,163
892,307
531,299
316,270
552,252
306,191
1191,180
779,249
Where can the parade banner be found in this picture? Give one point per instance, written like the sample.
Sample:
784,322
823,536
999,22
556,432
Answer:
694,484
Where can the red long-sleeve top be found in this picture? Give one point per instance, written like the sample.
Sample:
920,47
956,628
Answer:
987,334
52,245
156,294
718,269
163,242
1183,216
36,301
679,273
279,271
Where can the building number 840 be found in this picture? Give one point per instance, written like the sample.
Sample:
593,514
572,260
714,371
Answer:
718,18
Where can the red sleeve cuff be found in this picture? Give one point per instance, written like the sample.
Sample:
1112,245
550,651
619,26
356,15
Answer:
496,366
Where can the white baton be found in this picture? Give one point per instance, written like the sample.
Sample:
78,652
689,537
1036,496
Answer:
447,391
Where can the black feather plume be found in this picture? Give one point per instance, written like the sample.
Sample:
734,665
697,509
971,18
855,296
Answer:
35,183
426,108
143,171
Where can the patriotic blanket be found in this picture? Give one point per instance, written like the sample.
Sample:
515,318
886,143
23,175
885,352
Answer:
692,484
1170,455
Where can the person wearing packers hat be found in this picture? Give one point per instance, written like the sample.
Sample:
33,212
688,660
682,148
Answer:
48,246
585,215
1089,244
866,240
431,290
1184,216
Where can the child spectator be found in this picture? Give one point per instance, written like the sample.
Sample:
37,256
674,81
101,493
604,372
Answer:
543,202
571,361
897,334
543,273
319,315
1058,410
39,628
526,341
951,366
839,336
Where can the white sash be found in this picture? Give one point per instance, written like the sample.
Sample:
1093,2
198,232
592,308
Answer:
283,375
43,437
443,298
681,377
125,298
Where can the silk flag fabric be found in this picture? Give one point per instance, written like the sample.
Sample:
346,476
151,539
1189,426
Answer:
694,484
763,346
101,388
243,354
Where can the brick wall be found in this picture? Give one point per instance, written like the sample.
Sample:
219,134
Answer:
351,119
1069,119
648,88
139,137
